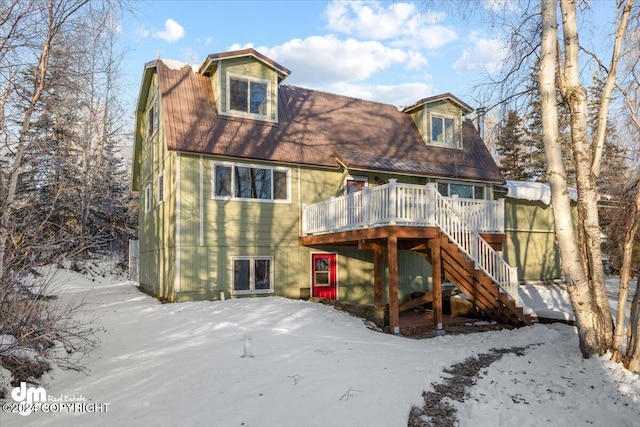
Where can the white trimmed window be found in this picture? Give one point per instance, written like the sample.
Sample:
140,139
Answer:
147,198
445,130
250,182
248,96
252,274
465,191
152,117
161,187
355,183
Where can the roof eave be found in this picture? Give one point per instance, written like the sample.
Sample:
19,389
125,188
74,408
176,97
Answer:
215,57
141,104
466,108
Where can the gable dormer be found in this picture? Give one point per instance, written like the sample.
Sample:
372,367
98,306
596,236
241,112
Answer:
245,84
439,120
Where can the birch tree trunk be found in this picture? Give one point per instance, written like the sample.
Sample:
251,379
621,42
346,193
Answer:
633,342
632,225
592,325
596,315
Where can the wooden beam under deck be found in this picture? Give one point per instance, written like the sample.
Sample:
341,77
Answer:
495,240
353,237
386,241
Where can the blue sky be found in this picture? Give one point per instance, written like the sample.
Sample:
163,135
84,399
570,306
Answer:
396,52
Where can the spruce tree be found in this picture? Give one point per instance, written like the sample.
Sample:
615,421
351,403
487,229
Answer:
614,167
513,163
534,141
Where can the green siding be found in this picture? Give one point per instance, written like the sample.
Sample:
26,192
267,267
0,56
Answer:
531,243
421,116
420,119
187,242
248,228
247,67
157,227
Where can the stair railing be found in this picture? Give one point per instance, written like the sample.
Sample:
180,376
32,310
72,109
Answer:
469,241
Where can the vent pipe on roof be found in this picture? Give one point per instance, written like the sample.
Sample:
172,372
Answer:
480,117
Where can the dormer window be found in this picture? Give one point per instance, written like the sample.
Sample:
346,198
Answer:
444,130
439,120
248,96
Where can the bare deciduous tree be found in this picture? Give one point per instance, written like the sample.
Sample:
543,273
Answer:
61,184
559,65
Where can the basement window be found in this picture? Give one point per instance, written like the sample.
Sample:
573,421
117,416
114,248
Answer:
252,274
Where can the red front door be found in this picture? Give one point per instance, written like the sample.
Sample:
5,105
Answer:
323,276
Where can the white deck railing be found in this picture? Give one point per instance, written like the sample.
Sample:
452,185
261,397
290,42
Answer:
397,204
462,220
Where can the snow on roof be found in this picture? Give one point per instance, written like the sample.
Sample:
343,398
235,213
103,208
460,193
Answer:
176,65
534,191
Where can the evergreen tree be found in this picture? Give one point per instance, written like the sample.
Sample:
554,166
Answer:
534,137
513,162
614,167
533,140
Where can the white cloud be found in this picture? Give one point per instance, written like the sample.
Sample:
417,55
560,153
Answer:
172,31
485,54
432,37
238,46
400,95
325,59
141,32
398,22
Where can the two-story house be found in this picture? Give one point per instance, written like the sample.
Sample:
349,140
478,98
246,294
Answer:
252,187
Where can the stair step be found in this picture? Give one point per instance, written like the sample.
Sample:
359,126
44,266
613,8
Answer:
476,284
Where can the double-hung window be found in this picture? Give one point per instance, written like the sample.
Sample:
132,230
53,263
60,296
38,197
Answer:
444,130
252,274
147,198
465,191
161,187
248,95
249,182
152,115
355,183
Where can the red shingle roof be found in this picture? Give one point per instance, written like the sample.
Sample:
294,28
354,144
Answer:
314,128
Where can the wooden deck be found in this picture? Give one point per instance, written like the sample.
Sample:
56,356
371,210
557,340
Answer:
447,262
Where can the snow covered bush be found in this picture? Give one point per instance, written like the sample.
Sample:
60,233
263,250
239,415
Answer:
35,330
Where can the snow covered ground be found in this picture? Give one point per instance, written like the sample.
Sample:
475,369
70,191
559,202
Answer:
311,365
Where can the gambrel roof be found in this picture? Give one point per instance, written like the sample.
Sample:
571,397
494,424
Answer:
314,128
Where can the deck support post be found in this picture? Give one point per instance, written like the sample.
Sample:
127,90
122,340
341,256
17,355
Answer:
378,260
436,275
394,306
378,271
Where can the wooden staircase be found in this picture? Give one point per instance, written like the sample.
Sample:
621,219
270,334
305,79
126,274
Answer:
464,273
